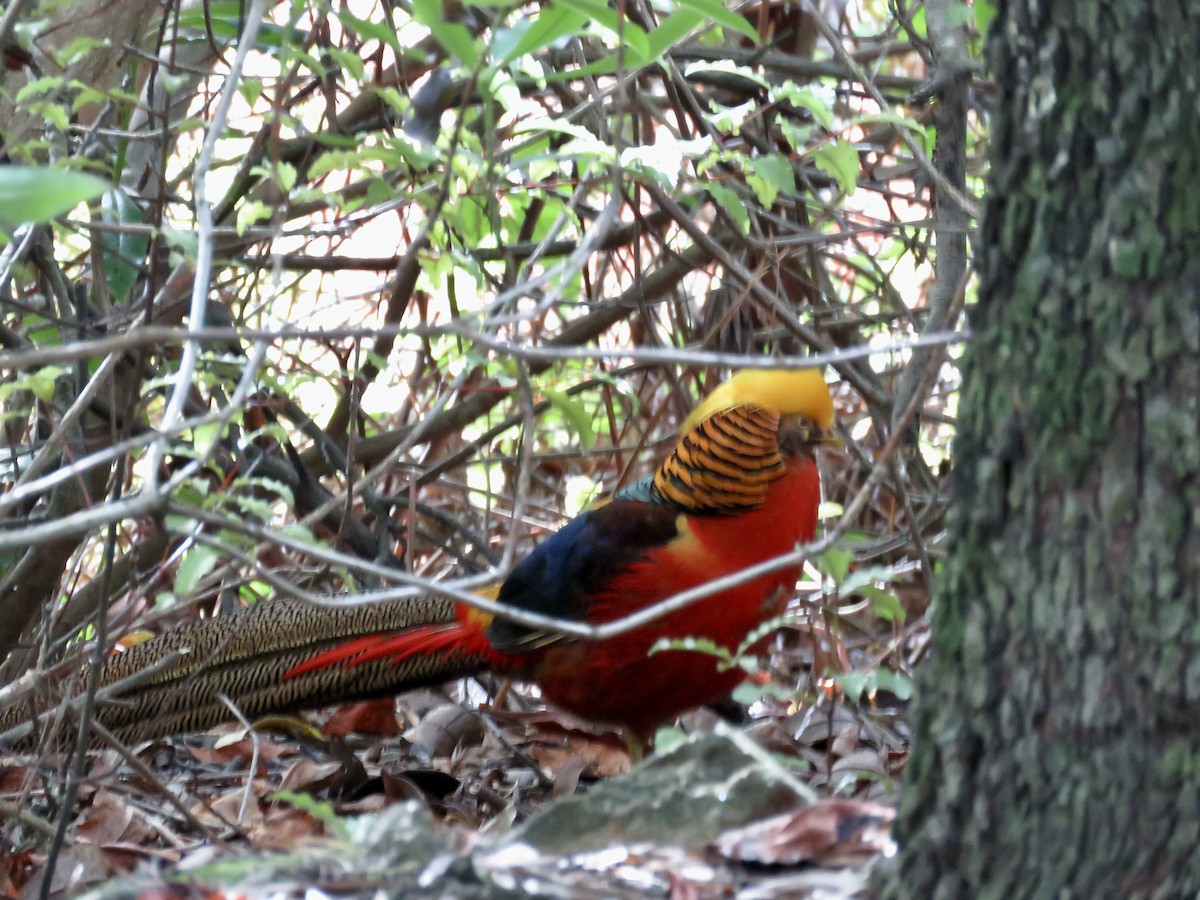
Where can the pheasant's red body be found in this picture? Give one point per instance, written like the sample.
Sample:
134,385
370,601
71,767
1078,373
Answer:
617,681
741,488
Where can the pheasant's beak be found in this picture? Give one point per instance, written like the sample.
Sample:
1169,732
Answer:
827,436
799,434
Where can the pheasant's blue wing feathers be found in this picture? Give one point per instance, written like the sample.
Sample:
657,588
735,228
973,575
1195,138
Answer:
642,491
560,577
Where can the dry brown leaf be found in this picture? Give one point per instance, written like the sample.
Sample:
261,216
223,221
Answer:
224,810
107,819
283,826
78,867
444,729
602,755
566,778
846,742
373,717
239,751
831,832
866,762
12,778
309,776
16,870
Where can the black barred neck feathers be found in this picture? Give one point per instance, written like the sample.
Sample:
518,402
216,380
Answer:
734,443
724,464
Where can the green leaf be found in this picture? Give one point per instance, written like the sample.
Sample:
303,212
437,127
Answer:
633,38
177,524
268,484
206,435
250,212
455,38
722,15
285,175
891,117
729,201
79,48
985,12
254,591
760,631
829,509
173,81
855,684
728,67
769,176
197,562
553,23
41,382
840,160
250,89
692,644
862,577
54,114
364,28
223,19
805,98
37,194
896,682
124,253
38,88
318,809
187,242
834,563
251,507
662,161
673,29
300,534
352,63
576,415
667,738
749,692
885,604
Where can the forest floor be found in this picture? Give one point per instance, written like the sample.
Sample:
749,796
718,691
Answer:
429,796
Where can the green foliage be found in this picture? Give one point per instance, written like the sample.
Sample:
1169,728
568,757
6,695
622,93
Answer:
124,251
985,12
576,414
196,563
320,810
40,383
454,37
837,564
38,194
839,159
868,682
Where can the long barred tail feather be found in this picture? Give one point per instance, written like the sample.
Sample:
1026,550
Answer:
244,657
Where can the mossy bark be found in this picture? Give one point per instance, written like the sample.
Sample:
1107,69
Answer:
1057,731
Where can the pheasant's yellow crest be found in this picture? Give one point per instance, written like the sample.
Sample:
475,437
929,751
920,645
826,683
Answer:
728,453
797,392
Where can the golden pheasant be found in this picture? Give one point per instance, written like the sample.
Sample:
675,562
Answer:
739,488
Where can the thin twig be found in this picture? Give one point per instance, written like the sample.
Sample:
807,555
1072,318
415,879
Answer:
205,241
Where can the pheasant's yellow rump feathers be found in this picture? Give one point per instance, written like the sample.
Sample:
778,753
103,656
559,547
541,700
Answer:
797,392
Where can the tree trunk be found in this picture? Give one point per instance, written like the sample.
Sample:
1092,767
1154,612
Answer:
1057,732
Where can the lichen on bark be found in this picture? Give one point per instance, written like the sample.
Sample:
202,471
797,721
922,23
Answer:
1056,744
